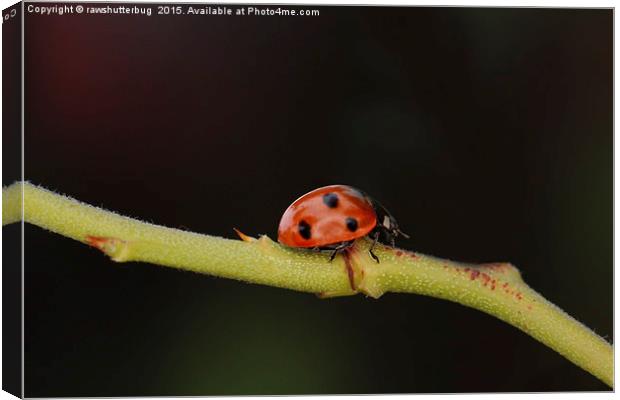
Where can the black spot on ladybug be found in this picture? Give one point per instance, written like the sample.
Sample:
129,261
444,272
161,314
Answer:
304,229
351,224
330,200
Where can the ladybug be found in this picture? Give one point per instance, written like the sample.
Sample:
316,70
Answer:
332,217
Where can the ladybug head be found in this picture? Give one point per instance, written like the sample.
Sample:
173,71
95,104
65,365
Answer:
386,227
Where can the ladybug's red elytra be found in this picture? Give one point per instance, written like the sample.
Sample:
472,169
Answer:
332,217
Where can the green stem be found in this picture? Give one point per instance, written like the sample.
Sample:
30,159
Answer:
496,289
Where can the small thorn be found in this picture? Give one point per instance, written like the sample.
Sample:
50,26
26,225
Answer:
97,241
243,236
115,248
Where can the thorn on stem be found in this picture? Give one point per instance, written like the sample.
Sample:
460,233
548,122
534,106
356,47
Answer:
243,236
97,241
113,247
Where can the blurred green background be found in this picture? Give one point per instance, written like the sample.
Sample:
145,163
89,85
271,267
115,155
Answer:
486,132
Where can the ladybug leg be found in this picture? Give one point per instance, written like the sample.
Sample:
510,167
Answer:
374,242
339,248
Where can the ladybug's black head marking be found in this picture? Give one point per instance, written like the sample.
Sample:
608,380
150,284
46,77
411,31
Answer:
304,229
330,200
351,224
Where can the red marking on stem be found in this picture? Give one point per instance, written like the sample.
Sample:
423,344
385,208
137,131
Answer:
486,278
97,241
499,267
350,272
399,253
529,306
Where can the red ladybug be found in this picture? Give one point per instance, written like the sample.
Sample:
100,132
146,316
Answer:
332,217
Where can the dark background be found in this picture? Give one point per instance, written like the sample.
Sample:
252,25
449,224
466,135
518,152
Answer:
486,132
